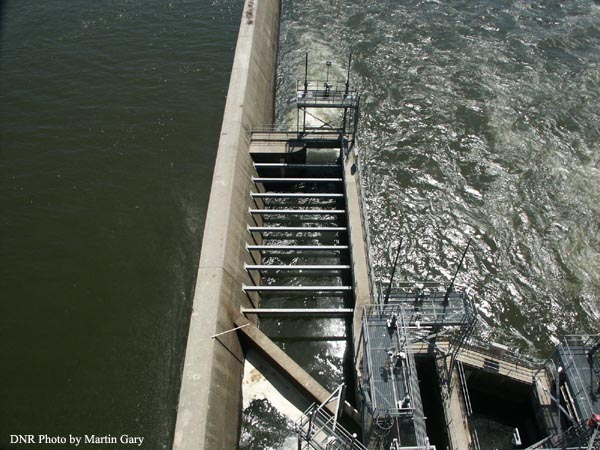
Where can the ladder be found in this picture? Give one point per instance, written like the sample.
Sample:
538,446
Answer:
298,241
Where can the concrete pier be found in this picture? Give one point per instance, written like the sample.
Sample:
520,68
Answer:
210,399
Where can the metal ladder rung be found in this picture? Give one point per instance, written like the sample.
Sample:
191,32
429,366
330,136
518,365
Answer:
298,166
300,229
327,312
296,195
296,267
296,211
296,247
246,288
296,180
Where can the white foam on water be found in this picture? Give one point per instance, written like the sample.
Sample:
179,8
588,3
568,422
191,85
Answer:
256,387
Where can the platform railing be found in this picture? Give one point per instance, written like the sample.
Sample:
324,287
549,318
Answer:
312,85
566,353
277,131
319,430
571,439
504,354
334,87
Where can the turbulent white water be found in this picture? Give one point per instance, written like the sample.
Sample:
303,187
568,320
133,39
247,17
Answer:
479,119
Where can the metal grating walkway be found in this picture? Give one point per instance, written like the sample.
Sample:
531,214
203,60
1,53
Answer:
582,373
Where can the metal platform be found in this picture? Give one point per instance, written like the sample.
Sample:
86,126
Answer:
582,373
389,386
428,309
386,363
325,94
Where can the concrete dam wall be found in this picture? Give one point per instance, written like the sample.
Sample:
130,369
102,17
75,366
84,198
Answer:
210,399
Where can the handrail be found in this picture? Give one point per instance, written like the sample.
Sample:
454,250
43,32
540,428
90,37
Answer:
505,355
321,85
579,386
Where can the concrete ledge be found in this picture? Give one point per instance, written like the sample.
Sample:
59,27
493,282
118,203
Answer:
210,398
362,285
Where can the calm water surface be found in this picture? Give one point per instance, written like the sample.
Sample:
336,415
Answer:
109,119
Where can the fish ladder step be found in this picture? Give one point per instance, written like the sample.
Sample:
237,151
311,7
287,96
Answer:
296,195
297,229
296,211
267,267
296,247
297,166
296,288
296,180
323,312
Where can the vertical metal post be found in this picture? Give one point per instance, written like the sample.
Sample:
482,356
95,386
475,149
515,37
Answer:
298,121
355,116
354,436
451,287
306,74
346,95
310,425
348,76
557,387
305,92
389,288
340,405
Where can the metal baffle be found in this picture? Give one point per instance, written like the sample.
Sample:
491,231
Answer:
296,248
296,211
298,267
295,180
296,195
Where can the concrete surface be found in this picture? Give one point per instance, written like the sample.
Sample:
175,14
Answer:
358,251
210,398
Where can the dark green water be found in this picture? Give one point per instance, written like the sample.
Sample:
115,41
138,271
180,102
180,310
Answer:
109,120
